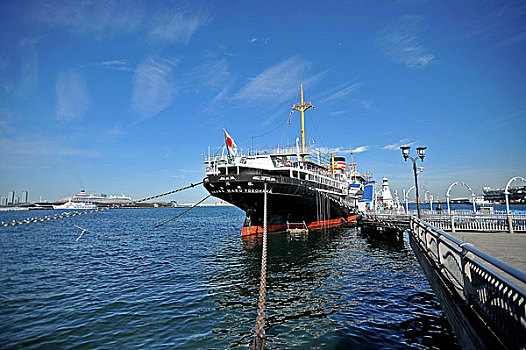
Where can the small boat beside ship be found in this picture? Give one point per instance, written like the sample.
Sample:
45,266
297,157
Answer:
304,186
75,206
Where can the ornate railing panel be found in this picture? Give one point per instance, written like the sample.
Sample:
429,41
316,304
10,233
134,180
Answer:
480,279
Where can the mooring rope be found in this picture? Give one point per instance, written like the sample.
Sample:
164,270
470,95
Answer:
259,328
184,212
116,206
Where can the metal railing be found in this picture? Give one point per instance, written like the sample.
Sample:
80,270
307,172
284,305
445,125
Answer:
463,220
479,278
478,222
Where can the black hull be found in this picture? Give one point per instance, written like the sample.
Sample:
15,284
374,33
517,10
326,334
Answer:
288,200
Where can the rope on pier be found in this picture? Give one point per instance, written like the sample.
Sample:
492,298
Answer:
259,328
67,215
184,212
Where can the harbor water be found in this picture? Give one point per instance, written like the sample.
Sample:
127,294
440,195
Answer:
193,284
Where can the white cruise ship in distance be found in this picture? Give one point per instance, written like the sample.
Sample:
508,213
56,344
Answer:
103,198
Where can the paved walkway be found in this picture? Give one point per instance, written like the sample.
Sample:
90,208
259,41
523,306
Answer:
509,248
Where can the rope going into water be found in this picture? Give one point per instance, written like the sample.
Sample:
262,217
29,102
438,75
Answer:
184,212
117,206
259,328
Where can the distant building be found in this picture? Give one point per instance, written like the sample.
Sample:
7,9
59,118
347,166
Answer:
516,195
4,201
25,196
11,198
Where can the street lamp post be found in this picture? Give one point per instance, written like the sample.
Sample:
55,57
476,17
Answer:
421,154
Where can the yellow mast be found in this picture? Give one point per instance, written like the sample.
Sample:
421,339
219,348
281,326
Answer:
332,165
352,164
302,108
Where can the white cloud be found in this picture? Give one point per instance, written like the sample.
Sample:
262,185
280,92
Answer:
401,42
103,19
397,145
92,18
360,149
73,97
342,150
213,76
122,65
339,92
276,84
177,27
153,90
335,113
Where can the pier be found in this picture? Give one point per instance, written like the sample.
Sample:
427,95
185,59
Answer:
475,264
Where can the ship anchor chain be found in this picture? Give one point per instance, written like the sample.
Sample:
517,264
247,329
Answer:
67,215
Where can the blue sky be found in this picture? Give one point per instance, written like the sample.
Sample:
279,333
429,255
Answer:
125,96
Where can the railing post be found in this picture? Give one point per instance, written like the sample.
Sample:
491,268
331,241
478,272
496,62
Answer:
453,224
510,224
467,289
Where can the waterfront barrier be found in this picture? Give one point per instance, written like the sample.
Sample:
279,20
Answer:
478,222
489,288
457,221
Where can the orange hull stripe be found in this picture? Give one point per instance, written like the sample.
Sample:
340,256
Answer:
254,230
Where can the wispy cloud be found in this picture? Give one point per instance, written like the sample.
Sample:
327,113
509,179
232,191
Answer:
514,39
173,27
5,128
343,150
397,145
335,113
154,89
73,99
365,104
341,91
401,42
42,146
100,20
122,65
212,76
276,84
518,117
256,40
115,131
360,149
29,66
501,22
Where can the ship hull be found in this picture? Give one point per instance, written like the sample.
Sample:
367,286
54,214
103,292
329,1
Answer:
289,201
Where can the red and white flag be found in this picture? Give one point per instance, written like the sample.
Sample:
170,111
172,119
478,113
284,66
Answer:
230,144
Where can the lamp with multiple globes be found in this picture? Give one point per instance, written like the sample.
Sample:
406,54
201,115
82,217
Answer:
421,154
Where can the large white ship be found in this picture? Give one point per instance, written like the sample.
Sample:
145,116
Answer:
102,199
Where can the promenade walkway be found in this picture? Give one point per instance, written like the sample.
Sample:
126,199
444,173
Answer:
509,248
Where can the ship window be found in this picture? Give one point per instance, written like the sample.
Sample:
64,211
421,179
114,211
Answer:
279,161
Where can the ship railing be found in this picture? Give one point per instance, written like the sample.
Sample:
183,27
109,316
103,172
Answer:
494,289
